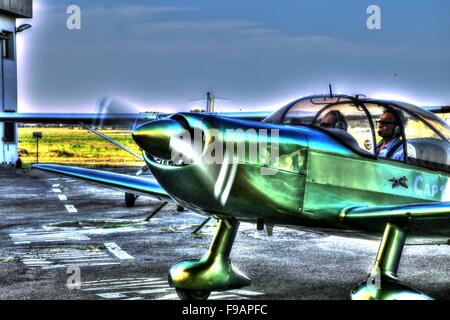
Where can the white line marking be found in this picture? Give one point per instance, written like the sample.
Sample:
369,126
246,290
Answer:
240,298
48,237
246,292
102,282
112,295
62,197
145,292
60,266
137,286
152,291
149,282
78,261
223,296
172,296
150,288
40,263
56,190
71,208
112,230
55,186
64,257
117,251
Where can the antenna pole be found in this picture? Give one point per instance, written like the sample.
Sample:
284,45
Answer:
209,103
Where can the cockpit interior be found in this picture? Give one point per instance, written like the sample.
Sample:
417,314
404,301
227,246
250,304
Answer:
354,122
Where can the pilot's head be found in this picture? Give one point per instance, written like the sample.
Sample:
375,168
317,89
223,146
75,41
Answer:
390,125
334,120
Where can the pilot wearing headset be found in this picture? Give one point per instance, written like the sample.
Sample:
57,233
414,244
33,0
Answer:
334,120
390,128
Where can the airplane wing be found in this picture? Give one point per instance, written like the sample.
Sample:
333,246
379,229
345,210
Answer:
417,212
438,110
86,118
110,118
255,116
122,182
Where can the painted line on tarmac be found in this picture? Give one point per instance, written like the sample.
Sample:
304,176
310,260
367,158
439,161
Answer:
114,282
62,197
27,238
71,208
118,280
111,295
90,264
118,251
56,190
151,289
48,258
135,287
246,292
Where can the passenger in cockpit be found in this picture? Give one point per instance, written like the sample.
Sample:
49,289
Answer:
334,120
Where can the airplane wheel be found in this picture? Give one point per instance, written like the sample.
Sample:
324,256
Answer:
180,208
193,295
130,200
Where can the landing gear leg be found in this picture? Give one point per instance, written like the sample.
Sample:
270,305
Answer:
130,200
382,283
195,279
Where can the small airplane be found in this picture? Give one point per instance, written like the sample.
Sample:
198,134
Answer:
300,170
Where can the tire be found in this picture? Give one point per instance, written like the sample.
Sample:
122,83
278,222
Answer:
130,200
193,295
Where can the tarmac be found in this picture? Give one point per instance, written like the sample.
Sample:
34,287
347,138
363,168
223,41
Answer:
62,239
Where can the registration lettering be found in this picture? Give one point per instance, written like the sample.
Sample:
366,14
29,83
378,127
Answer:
421,188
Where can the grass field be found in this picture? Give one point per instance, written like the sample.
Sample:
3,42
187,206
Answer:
77,147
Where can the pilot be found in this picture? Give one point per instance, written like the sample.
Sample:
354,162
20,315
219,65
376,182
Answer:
390,129
334,120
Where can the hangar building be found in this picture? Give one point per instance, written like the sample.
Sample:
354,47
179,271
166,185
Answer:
10,10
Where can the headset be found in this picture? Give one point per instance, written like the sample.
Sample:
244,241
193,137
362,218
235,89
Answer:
398,129
341,122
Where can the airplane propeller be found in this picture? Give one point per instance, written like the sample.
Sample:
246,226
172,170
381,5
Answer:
115,106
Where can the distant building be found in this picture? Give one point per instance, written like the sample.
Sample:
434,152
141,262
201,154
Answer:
197,110
10,10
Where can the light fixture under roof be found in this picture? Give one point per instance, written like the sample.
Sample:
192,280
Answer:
23,27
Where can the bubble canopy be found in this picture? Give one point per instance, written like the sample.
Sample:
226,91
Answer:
354,122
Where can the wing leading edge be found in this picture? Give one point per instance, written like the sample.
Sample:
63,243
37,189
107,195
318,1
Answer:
74,118
122,182
112,118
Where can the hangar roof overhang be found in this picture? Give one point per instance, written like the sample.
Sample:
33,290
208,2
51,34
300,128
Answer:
17,8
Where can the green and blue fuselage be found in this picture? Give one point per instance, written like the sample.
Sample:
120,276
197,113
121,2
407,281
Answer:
313,179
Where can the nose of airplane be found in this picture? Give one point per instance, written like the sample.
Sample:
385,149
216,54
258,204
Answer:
154,137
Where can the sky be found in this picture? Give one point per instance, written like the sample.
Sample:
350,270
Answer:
259,54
